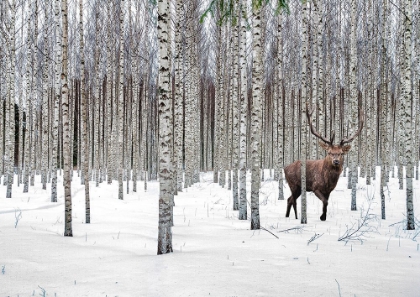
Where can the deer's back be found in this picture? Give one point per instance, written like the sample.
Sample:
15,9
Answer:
318,176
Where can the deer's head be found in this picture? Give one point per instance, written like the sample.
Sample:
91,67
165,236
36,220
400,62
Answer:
335,153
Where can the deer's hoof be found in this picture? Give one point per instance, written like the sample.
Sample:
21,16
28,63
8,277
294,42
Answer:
323,217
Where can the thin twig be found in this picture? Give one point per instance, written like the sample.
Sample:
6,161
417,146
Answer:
396,223
43,292
294,228
17,216
270,232
339,290
315,237
358,232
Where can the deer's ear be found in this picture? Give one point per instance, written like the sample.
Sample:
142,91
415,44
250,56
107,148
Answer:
324,145
346,149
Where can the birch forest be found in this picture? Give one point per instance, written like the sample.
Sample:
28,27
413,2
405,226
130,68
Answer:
132,91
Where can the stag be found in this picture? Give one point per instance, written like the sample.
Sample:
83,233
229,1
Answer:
321,175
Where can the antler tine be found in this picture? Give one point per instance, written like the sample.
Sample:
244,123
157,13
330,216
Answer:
314,132
361,123
332,137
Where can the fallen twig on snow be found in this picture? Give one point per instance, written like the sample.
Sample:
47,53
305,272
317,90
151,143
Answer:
297,228
396,223
339,290
270,232
403,224
17,216
359,231
315,237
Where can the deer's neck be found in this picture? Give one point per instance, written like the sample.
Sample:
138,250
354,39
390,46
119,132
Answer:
330,171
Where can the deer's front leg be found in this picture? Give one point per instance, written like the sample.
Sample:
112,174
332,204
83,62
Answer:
324,199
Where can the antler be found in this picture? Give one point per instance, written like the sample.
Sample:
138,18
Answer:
361,122
314,132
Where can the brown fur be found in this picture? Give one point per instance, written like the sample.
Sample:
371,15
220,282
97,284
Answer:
321,176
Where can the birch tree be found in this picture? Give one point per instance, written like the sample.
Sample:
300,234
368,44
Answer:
257,95
10,99
57,70
68,230
243,114
97,104
84,121
44,105
121,105
178,120
165,134
407,103
221,100
353,101
35,97
304,91
236,114
280,107
28,101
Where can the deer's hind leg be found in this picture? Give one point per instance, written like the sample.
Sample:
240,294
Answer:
291,201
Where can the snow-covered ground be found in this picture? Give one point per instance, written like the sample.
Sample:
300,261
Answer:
215,254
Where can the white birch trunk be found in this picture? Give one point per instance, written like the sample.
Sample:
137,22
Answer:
34,99
256,118
56,100
236,113
134,116
407,106
108,118
10,102
97,103
188,119
220,99
143,145
280,107
304,100
84,121
318,69
68,230
178,99
21,111
243,117
353,102
45,109
165,135
121,106
196,118
29,66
